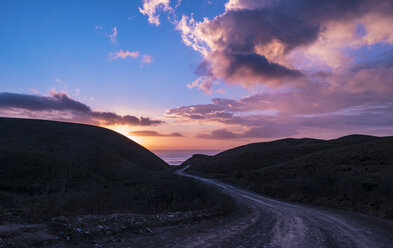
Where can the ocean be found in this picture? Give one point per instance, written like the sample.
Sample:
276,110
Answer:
178,157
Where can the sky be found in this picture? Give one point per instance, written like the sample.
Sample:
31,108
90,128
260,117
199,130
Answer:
209,74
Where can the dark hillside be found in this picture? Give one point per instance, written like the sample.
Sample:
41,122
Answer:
353,172
72,141
257,155
52,168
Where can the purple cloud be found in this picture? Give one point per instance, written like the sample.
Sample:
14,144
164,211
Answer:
154,134
60,106
267,131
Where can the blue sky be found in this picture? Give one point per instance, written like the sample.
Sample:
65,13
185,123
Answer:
67,40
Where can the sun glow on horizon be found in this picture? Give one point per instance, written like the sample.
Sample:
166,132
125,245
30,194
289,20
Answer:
125,130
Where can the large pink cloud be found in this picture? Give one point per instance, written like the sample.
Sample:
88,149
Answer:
279,43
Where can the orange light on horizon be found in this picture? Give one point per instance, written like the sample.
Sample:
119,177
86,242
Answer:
125,130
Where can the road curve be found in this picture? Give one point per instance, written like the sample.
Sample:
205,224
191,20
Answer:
284,224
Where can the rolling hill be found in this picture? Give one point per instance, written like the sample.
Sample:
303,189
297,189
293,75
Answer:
351,173
50,168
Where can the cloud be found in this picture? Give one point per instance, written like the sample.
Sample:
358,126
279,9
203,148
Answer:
278,42
250,69
329,109
151,9
154,134
313,64
204,84
35,91
220,91
124,54
232,43
144,58
267,131
247,4
60,106
113,35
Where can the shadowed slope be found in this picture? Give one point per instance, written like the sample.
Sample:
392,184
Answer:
257,155
70,140
352,172
52,168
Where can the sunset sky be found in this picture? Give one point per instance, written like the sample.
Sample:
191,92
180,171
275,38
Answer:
209,74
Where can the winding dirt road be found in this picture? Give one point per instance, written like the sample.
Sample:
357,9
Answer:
282,224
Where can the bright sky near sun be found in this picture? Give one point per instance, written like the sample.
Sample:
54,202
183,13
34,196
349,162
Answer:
209,74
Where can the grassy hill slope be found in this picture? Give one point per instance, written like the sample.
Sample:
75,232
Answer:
52,168
352,172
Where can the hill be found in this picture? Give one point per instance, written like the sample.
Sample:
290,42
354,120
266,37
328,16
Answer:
351,173
50,168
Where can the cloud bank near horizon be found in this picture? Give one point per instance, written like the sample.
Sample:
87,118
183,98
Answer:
147,133
60,106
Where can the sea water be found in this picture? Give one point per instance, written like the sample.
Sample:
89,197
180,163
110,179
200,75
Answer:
176,157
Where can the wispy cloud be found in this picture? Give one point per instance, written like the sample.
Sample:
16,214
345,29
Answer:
269,130
146,59
151,8
221,91
113,36
154,134
35,91
124,54
204,84
143,58
59,80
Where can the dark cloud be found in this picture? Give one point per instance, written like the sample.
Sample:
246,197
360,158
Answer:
260,67
244,30
155,134
57,101
203,69
60,106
